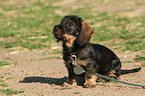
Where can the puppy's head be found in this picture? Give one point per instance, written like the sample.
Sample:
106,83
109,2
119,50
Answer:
73,28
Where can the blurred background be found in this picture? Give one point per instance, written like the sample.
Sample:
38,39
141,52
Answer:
28,24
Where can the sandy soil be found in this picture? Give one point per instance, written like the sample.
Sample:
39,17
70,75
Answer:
44,77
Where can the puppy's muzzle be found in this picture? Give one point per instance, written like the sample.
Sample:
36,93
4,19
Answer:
57,31
56,28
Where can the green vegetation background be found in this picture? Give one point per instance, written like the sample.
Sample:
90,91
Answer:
29,24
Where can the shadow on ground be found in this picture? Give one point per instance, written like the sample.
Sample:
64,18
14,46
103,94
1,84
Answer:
50,80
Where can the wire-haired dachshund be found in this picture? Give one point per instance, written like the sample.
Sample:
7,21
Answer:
89,58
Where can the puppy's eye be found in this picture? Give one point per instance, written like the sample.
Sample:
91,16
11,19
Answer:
70,24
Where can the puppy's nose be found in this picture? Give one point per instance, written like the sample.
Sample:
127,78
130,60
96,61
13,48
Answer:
56,28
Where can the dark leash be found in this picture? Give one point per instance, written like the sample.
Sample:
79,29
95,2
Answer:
79,70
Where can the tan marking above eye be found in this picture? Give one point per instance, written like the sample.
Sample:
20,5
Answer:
70,23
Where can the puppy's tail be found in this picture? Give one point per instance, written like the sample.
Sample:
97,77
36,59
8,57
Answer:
122,72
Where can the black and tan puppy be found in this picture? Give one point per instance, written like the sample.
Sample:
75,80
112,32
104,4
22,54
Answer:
93,58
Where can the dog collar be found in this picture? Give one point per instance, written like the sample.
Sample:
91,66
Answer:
77,69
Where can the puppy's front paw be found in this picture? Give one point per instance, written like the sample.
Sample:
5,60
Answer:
90,81
69,84
89,84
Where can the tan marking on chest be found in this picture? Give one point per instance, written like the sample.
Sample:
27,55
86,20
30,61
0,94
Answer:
69,40
82,62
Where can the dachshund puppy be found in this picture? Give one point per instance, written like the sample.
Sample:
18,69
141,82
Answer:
80,55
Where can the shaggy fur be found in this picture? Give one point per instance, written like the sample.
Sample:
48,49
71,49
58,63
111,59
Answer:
93,58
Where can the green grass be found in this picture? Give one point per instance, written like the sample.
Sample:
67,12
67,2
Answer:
4,63
7,91
53,57
21,22
139,58
10,91
4,84
143,64
9,78
2,81
34,20
127,61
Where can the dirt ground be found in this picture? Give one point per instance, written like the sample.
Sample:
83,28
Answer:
44,77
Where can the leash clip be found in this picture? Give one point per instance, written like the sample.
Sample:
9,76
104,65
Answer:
77,69
74,60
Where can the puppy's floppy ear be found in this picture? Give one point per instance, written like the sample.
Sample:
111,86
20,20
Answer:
85,34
